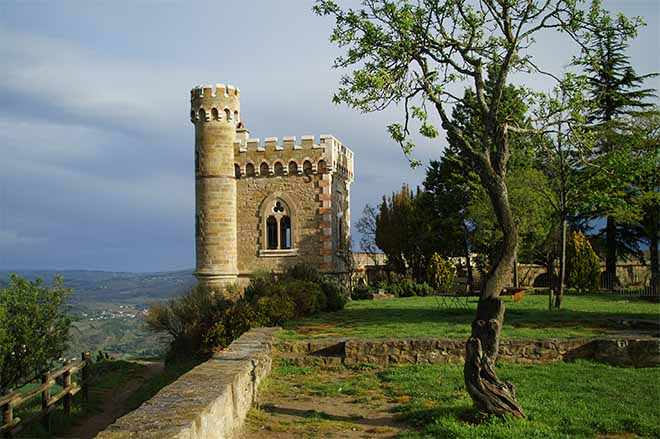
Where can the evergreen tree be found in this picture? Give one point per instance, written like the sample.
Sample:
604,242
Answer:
616,91
583,264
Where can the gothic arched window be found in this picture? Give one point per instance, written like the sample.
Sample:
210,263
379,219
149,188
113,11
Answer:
249,170
271,233
278,232
263,169
285,232
279,169
214,114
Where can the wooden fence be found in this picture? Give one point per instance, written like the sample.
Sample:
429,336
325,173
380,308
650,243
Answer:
13,425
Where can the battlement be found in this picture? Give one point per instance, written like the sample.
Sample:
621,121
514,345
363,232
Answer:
219,103
201,91
335,157
326,142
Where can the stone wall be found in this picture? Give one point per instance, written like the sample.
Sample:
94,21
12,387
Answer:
620,351
208,402
300,193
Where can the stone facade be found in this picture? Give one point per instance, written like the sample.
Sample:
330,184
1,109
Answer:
264,206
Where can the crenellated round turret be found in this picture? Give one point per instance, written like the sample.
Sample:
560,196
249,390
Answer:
219,104
216,115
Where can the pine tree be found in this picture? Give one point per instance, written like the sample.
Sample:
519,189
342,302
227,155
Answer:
616,91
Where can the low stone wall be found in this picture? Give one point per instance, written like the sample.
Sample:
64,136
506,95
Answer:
621,351
208,402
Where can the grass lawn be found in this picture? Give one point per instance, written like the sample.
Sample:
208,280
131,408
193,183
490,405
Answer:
568,400
565,400
580,316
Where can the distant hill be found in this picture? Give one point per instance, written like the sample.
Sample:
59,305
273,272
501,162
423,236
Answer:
107,307
92,287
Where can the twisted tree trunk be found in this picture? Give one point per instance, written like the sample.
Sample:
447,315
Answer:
489,393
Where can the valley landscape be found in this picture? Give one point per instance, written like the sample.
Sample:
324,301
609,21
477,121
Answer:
107,308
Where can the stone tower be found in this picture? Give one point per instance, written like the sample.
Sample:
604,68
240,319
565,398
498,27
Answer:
264,206
215,114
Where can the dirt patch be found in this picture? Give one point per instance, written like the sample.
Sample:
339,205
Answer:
316,331
299,402
115,405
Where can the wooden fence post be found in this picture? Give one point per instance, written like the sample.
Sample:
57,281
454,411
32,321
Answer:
68,397
45,397
7,415
86,358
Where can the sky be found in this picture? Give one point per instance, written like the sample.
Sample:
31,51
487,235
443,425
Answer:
96,145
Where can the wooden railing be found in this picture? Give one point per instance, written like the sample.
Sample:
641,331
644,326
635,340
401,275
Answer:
13,425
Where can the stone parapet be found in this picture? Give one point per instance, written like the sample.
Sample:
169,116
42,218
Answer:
208,402
337,158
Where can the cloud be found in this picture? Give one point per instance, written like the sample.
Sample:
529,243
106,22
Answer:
11,238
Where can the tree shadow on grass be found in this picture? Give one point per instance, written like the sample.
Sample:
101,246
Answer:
373,319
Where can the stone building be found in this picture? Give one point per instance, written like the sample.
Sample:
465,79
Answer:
264,205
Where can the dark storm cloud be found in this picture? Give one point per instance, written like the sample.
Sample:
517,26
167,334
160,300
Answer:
96,146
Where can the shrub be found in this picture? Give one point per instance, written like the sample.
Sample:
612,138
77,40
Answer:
583,264
406,288
274,310
236,320
201,321
335,295
303,271
188,319
440,273
362,292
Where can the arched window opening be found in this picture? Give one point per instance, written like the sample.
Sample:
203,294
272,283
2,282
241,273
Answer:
202,115
293,168
263,169
237,171
192,115
214,114
307,167
321,167
227,114
279,169
277,228
236,118
271,232
249,170
285,233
